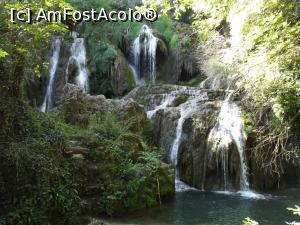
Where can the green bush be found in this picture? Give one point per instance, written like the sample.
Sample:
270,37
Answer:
131,172
37,186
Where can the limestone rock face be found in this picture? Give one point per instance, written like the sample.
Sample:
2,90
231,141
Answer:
198,164
152,95
164,130
76,105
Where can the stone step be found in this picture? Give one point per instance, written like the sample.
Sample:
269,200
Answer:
73,143
78,156
72,150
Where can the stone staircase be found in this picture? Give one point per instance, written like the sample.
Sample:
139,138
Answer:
75,149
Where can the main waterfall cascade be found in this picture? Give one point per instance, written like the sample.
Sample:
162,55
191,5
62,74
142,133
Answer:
144,54
228,131
78,55
48,99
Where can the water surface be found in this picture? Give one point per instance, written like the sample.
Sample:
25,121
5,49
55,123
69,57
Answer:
206,208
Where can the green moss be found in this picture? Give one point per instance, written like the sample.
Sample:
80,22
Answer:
193,82
249,126
130,79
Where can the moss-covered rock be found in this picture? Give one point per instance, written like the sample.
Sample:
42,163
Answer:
122,79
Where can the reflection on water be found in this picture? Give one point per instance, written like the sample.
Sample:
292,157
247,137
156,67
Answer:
205,208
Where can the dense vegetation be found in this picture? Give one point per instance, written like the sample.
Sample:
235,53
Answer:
40,184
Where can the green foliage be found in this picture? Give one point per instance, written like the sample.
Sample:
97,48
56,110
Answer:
177,6
37,185
100,65
249,126
277,29
41,186
3,53
193,82
131,170
28,40
103,42
22,46
164,25
130,79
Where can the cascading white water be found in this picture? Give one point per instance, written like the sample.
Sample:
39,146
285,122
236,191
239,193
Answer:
167,99
175,146
148,52
78,54
229,129
47,103
186,109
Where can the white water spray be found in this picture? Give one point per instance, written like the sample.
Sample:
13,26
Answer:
229,129
167,100
149,52
47,103
78,54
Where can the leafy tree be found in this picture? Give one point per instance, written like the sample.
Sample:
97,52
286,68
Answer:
22,46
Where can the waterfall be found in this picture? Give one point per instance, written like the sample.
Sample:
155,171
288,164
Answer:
229,129
167,99
148,51
47,103
175,146
78,55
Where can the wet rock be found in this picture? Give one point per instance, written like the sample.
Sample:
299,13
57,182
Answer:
164,130
179,100
198,165
122,79
77,150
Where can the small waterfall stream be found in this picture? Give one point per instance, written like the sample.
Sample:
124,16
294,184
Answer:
78,55
186,110
229,129
167,99
47,103
144,52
